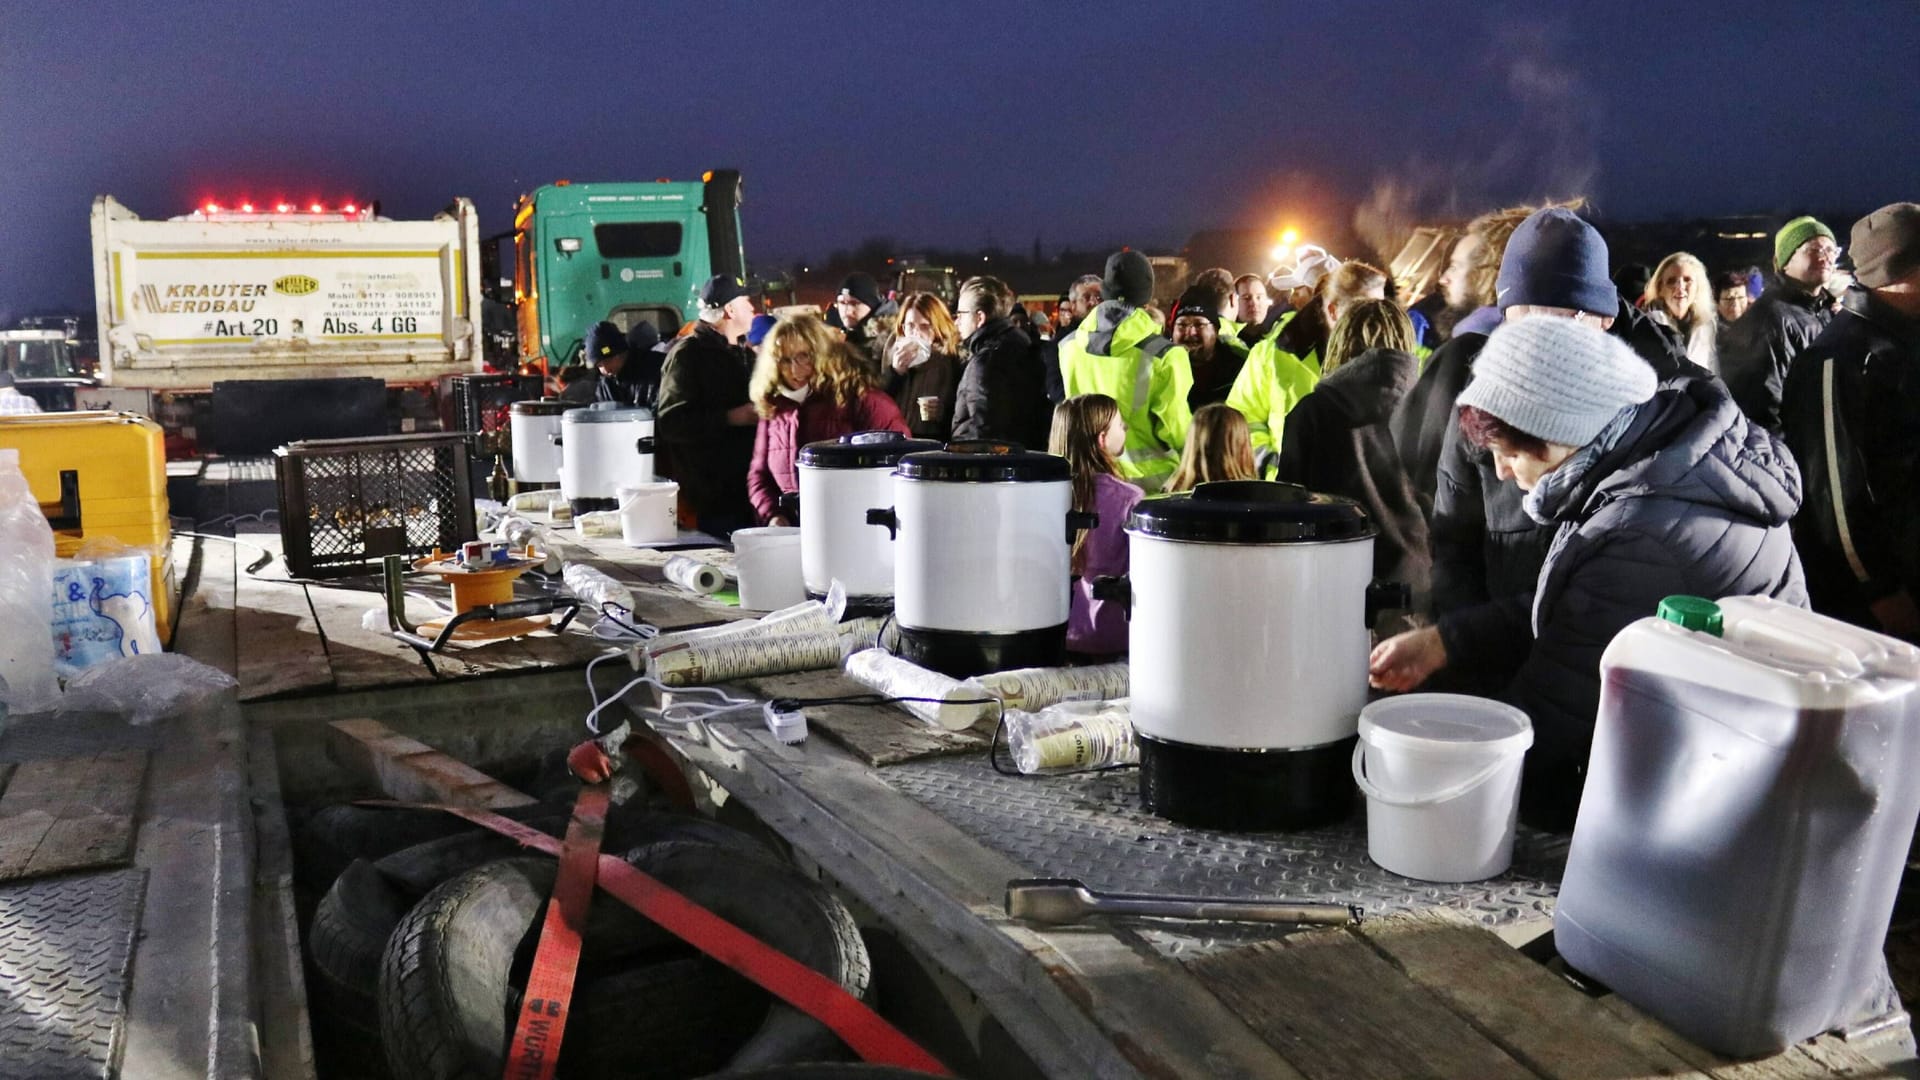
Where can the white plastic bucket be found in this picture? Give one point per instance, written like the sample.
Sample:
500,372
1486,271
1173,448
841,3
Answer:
768,563
647,513
1441,773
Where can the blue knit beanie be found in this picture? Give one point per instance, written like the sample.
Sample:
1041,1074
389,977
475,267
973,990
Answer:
1554,259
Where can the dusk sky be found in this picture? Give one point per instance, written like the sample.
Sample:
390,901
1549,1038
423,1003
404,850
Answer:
951,124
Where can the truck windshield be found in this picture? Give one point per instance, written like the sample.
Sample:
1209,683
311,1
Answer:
638,239
37,359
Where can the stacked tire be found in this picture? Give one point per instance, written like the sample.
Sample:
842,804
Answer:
424,952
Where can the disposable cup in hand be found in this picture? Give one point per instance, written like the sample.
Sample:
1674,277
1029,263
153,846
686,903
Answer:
929,407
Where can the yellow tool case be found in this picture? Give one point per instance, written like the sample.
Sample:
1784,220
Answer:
100,475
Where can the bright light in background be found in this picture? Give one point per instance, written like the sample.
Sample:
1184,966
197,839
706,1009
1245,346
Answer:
1283,249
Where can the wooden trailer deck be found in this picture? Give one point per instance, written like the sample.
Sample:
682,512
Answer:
920,834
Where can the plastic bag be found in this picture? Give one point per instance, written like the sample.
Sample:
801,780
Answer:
102,606
26,594
145,688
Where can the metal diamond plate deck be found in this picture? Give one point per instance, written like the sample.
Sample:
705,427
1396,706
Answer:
65,944
1092,827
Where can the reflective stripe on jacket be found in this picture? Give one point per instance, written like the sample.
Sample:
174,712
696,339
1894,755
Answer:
1119,351
1270,385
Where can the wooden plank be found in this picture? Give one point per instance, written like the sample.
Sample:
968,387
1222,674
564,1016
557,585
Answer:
361,658
876,734
412,771
63,814
1336,1009
1521,1006
280,647
204,628
1082,1000
1797,1063
642,570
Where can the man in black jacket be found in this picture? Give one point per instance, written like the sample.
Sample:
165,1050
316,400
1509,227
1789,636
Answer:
1487,552
1217,357
1852,413
705,421
1003,391
1757,351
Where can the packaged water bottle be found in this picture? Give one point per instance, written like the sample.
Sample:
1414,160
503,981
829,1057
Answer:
1072,736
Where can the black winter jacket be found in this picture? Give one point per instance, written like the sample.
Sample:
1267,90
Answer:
1213,381
870,340
1693,500
1486,550
1337,441
1760,347
1003,392
938,377
703,377
1860,537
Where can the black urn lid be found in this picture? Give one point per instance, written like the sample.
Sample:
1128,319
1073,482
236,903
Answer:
863,450
1251,512
984,463
544,407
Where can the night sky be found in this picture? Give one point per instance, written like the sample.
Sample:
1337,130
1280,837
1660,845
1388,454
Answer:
950,125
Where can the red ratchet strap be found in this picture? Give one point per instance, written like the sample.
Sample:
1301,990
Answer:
535,1049
798,985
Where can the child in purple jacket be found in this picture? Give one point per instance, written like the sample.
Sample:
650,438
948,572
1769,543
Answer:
1088,432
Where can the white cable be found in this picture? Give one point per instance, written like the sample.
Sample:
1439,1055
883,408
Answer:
682,712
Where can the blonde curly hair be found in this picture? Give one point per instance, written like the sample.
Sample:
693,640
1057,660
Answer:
835,371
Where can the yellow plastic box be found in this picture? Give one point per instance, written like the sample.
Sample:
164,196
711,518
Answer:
100,475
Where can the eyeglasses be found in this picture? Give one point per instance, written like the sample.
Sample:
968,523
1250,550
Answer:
798,359
965,311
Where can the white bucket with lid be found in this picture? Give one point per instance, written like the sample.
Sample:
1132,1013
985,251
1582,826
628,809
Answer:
767,561
1441,773
648,513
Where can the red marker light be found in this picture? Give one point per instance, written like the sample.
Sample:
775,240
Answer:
317,208
246,208
283,208
349,209
213,208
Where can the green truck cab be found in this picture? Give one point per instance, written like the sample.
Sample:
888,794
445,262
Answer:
619,252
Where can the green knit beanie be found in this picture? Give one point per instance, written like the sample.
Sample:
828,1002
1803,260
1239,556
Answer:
1792,235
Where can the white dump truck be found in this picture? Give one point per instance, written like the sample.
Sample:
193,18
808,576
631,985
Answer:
282,292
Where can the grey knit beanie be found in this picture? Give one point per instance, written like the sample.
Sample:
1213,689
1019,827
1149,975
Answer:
1557,379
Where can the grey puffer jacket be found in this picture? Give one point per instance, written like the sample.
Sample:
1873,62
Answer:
1693,500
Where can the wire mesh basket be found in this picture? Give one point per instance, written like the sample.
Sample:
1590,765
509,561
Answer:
347,503
483,404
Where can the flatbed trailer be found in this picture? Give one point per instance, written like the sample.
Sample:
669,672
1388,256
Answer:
912,826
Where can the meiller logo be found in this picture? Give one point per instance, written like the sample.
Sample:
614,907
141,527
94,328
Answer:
295,285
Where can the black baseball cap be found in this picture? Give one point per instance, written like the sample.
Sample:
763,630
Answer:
721,290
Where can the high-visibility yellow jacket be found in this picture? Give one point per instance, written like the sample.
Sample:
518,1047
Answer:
1270,385
1119,351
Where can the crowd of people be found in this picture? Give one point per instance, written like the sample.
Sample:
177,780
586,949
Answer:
1546,449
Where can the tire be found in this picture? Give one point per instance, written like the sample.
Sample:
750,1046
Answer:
349,934
787,910
667,1021
336,835
449,968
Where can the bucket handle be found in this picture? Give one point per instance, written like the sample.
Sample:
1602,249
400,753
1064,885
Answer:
1445,794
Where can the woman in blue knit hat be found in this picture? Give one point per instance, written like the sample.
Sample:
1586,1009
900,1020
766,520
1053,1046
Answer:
1651,490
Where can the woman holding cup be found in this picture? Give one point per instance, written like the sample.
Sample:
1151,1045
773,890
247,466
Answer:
923,366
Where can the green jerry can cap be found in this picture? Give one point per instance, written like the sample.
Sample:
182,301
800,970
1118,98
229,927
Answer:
1692,613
